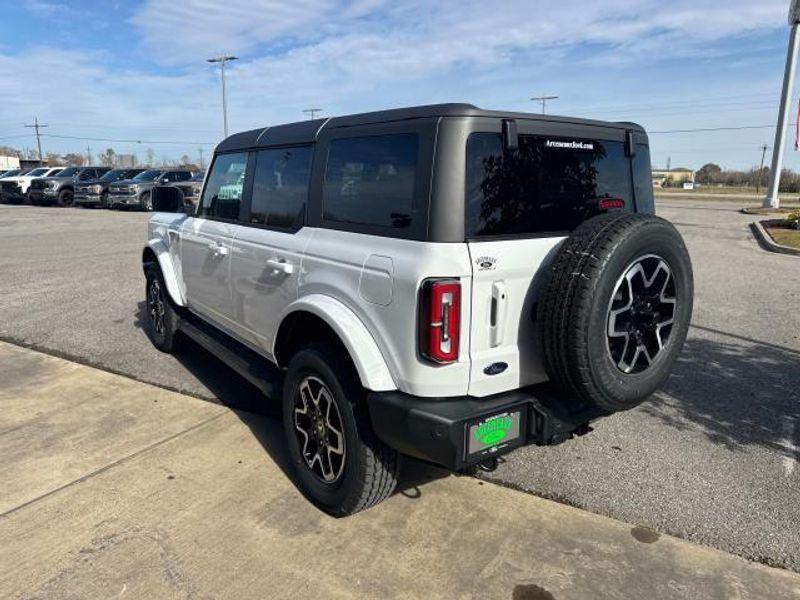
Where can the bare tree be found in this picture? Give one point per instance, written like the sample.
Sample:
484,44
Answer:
54,160
108,157
151,157
9,151
75,159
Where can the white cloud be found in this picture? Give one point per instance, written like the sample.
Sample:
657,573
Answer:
352,55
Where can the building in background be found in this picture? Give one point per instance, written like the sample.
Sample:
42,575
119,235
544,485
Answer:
672,177
9,162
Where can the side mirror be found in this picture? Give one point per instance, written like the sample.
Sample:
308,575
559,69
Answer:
167,199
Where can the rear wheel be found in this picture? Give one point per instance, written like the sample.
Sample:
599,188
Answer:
339,463
616,310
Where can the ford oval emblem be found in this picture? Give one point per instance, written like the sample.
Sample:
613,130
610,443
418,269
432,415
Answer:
495,368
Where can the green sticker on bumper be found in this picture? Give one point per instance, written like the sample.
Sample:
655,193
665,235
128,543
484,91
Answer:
495,430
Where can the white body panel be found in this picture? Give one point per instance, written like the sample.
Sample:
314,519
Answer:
507,278
378,279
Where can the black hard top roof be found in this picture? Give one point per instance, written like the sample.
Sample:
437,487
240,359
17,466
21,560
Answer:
304,132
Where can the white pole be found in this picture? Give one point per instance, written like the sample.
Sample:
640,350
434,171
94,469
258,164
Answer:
772,200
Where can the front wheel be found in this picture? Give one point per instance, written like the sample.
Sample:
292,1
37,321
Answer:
146,201
65,198
339,464
162,318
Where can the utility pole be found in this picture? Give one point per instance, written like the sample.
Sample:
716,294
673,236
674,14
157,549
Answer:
669,163
36,126
88,155
772,200
200,151
312,112
222,60
764,149
544,100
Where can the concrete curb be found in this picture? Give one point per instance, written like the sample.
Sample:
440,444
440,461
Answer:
766,241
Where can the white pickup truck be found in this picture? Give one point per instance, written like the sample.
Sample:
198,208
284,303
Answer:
15,188
442,282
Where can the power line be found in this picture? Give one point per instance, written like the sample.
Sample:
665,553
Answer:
125,141
710,129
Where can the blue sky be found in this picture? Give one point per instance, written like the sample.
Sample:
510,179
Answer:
137,70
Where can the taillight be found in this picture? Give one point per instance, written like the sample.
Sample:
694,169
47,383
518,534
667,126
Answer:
440,323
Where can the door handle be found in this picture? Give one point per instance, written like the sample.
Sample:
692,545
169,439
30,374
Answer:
218,249
280,264
497,318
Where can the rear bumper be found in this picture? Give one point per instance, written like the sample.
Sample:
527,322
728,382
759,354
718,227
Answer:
436,429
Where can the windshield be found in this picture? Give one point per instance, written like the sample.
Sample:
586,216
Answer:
38,172
12,173
150,175
69,172
548,186
113,175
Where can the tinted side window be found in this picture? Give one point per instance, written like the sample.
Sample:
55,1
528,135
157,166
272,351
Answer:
182,176
370,180
223,192
548,185
643,180
280,186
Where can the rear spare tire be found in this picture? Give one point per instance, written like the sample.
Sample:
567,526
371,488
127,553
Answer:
616,309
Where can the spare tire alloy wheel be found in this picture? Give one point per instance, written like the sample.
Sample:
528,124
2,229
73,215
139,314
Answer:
616,310
641,314
318,426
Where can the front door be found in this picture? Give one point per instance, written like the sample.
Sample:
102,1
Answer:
207,240
269,244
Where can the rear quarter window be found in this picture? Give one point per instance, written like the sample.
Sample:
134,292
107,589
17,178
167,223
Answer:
547,187
371,180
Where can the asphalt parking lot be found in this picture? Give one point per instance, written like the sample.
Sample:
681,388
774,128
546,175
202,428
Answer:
712,458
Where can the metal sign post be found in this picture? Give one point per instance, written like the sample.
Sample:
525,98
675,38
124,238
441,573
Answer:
772,200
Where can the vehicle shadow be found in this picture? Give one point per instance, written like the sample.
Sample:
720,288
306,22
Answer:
737,391
262,415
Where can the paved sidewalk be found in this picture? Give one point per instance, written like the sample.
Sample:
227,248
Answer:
115,488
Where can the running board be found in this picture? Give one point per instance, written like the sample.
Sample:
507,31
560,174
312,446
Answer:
252,366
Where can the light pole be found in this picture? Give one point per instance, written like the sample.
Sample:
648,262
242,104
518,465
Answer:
222,60
772,200
544,100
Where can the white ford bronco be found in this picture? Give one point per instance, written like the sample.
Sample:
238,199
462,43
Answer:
442,282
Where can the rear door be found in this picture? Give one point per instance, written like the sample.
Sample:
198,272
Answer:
520,205
268,247
206,240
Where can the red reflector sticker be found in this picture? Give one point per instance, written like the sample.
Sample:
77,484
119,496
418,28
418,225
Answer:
608,204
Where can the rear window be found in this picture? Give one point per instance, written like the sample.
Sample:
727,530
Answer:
548,186
370,180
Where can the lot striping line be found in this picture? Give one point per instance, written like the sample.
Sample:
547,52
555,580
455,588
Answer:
112,464
787,442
